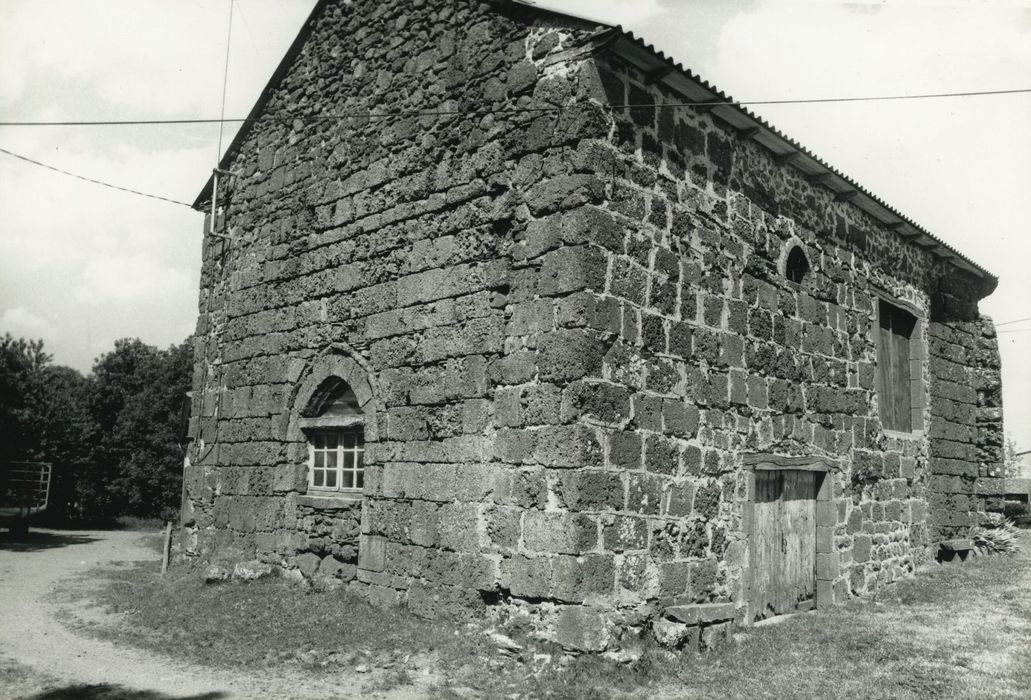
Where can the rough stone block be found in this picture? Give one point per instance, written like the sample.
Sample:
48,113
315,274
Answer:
625,450
252,570
827,566
566,355
216,574
565,192
372,553
574,579
679,418
675,635
559,533
567,446
591,490
861,548
335,568
502,527
644,494
529,577
515,446
582,629
673,579
600,401
681,499
458,527
647,412
571,269
622,533
308,564
661,455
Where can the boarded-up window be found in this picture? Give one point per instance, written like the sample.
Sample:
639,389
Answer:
894,380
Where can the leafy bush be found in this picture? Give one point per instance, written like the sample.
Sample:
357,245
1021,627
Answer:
996,538
1014,510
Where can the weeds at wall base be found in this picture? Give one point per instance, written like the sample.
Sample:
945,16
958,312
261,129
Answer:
953,631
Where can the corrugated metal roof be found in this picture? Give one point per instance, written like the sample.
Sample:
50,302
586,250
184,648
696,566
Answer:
650,59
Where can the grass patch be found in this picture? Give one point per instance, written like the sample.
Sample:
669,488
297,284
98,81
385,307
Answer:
952,632
262,623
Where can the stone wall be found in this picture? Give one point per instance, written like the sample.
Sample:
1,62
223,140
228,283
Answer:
390,243
573,326
966,427
324,537
698,350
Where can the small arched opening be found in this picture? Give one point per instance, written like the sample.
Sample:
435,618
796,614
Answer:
796,268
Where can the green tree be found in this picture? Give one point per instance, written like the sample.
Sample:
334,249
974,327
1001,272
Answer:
23,366
136,459
112,437
64,426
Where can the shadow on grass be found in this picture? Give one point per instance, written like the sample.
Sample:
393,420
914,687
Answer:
106,691
35,541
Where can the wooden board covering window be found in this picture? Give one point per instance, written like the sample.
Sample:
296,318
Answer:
894,334
784,554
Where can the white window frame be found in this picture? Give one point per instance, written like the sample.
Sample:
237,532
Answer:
341,454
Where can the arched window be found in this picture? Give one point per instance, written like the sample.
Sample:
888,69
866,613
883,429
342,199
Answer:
797,266
334,424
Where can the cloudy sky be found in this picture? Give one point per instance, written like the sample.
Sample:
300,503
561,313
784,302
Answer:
81,265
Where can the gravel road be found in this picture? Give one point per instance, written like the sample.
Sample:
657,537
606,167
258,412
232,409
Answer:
41,658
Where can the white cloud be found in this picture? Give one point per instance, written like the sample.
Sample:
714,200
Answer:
135,279
105,264
629,14
19,321
958,166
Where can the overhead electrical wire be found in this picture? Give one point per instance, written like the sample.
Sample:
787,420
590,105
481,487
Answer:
1010,323
225,85
222,120
92,180
503,110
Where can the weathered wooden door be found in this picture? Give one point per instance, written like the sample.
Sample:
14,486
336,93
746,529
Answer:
784,546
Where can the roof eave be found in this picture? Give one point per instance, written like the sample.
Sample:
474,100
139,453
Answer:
263,99
648,59
664,69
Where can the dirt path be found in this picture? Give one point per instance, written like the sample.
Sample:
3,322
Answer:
40,657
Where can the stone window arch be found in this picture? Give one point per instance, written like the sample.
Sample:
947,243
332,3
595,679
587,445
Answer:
335,415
